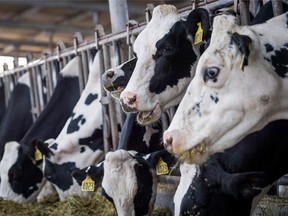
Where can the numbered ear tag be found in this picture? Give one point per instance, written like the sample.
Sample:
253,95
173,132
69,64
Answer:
38,155
162,167
88,184
199,34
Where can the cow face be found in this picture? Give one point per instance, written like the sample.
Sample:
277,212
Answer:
130,181
208,190
165,57
21,178
115,79
238,81
59,164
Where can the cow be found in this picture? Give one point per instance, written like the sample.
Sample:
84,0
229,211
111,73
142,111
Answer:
20,171
239,87
228,183
165,53
130,179
115,79
17,118
80,142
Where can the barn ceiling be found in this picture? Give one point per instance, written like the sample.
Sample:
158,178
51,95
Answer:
34,27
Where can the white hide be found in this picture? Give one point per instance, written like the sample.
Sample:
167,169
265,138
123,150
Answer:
188,173
68,149
247,100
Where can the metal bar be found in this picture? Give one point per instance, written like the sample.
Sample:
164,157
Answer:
277,7
19,42
49,80
85,67
35,94
105,39
244,12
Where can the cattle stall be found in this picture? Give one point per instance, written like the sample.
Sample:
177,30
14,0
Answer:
114,49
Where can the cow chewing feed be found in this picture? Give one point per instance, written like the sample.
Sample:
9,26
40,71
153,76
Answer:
20,171
239,86
80,142
129,181
165,55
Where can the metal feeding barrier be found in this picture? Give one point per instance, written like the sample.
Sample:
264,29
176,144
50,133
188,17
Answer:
43,72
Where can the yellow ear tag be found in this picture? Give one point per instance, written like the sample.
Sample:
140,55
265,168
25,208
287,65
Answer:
38,155
242,62
161,167
88,184
199,34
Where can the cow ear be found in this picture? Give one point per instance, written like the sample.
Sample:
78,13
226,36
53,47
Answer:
244,185
154,157
43,148
79,175
199,15
242,43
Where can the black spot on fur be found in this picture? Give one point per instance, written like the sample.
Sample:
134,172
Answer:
269,47
214,98
54,146
280,62
196,108
90,98
60,174
74,124
95,141
82,149
83,121
173,59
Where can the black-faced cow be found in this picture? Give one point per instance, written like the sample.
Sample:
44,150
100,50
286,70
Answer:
240,86
21,175
80,142
165,53
229,182
129,181
18,117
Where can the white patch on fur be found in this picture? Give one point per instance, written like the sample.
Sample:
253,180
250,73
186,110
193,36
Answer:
188,173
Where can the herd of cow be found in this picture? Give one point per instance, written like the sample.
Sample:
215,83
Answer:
227,132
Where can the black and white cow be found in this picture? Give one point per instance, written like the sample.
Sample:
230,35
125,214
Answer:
21,177
240,86
229,182
129,181
80,142
17,118
165,53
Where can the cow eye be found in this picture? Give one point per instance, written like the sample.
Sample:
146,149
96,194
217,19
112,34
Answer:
211,73
167,49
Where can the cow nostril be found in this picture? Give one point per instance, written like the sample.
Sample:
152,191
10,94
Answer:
168,142
110,74
132,100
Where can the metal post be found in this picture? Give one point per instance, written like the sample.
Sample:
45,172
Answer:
244,12
277,7
35,94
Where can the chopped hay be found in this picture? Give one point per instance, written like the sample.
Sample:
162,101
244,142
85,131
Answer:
74,205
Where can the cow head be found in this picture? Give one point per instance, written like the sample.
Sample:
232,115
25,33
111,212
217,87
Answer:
165,53
208,190
237,83
59,164
115,79
21,175
130,180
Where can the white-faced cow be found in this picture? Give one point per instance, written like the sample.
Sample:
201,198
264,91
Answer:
80,143
129,181
239,87
17,118
165,55
229,182
21,175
